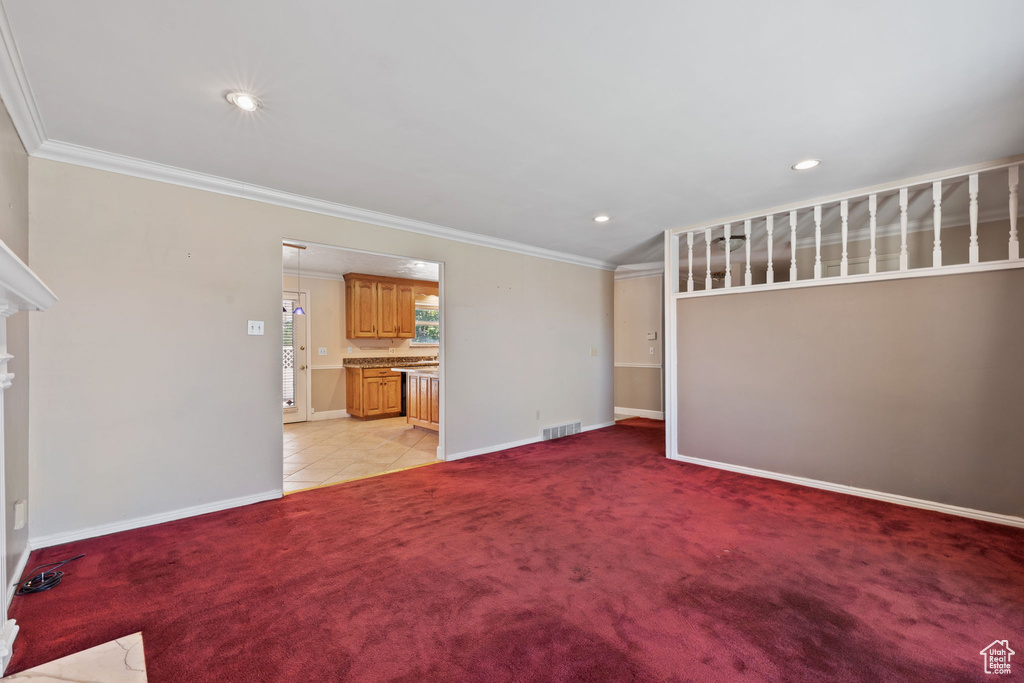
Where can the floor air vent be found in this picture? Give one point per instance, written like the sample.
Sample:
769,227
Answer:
558,431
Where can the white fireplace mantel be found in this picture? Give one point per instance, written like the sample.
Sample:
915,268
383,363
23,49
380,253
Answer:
20,290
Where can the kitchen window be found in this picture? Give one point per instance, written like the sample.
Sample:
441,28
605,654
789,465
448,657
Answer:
428,325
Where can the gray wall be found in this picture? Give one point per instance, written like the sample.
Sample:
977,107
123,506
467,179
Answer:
14,233
913,387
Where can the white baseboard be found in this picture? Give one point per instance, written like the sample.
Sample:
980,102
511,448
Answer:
160,518
1008,520
515,444
492,449
19,569
637,412
327,415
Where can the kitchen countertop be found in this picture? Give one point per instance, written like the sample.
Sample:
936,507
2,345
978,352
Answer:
423,370
391,362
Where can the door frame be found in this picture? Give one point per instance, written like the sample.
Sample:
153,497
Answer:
304,294
442,316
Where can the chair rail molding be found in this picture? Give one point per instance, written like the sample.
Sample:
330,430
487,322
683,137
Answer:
20,290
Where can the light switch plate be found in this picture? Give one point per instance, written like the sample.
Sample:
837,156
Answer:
256,327
593,350
322,350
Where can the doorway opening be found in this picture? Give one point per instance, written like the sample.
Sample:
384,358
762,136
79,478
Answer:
362,364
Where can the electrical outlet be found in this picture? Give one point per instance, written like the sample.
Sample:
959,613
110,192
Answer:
593,350
651,349
350,349
391,350
538,413
20,514
256,327
323,351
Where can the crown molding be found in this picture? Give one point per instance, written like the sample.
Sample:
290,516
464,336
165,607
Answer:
65,152
16,94
15,90
633,271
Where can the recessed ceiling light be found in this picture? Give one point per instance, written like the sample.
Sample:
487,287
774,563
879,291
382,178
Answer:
243,100
806,164
602,218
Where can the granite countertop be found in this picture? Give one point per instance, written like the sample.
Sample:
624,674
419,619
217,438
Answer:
391,362
423,371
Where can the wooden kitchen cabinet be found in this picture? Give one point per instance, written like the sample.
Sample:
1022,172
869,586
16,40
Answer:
422,401
360,309
378,307
373,392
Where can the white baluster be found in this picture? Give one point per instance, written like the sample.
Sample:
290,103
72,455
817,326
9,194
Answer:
1014,181
872,227
689,261
792,246
707,240
937,213
817,242
728,255
748,278
904,257
770,227
972,189
844,214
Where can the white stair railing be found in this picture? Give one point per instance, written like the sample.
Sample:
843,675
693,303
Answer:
863,225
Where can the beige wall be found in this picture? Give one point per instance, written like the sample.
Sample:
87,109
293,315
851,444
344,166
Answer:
148,396
638,310
912,387
14,233
326,310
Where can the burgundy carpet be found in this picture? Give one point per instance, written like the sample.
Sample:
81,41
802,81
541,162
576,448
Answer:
590,558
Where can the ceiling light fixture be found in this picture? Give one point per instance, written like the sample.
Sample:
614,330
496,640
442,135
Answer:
243,100
734,242
805,164
602,218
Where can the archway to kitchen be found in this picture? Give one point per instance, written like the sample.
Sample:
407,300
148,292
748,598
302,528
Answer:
362,363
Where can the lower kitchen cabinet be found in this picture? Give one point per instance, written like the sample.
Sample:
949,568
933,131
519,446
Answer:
373,392
423,402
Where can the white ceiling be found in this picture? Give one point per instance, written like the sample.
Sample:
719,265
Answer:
522,120
322,261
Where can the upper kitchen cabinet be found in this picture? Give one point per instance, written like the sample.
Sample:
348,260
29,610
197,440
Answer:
378,307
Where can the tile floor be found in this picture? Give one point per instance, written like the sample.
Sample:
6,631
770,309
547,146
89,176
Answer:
119,661
333,451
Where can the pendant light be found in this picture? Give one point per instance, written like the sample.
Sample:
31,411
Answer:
298,309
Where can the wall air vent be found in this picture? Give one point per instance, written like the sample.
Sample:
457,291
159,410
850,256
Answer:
558,431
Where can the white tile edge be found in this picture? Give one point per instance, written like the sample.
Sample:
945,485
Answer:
996,518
